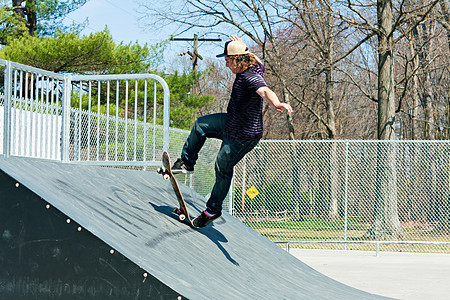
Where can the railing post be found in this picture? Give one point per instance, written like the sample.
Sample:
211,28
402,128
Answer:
166,117
7,110
65,130
230,199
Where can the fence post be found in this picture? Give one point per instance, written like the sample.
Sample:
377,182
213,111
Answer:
65,130
7,110
346,197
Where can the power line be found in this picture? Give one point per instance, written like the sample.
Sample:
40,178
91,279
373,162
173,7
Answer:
120,8
194,55
198,39
93,29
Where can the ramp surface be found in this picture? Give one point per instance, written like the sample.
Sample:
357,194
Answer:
132,212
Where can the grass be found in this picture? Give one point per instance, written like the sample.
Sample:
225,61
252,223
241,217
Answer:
315,229
441,249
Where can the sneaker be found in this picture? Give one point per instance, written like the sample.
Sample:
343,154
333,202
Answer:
180,167
204,219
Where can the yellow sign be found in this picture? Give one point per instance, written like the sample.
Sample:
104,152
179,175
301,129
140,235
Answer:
252,192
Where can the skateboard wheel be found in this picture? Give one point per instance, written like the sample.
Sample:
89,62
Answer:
181,217
166,177
159,170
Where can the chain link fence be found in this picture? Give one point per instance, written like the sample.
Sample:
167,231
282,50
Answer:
383,195
367,195
203,179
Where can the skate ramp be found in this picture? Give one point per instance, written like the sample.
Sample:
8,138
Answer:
131,212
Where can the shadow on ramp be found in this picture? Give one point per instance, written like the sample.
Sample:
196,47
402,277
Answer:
211,232
131,212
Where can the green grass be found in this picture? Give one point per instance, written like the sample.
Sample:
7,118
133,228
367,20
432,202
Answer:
316,229
315,224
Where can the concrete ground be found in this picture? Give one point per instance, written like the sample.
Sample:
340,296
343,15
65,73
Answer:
406,276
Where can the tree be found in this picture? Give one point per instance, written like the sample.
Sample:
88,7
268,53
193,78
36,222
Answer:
41,17
98,54
254,19
93,54
184,105
289,33
10,25
386,224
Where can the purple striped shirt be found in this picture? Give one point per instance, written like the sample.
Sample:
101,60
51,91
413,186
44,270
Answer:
244,112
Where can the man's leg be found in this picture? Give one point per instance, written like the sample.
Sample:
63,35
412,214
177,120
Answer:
210,126
231,152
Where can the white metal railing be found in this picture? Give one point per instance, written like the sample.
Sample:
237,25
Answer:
111,120
59,117
130,137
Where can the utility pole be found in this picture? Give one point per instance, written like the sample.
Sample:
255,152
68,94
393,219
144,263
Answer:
195,55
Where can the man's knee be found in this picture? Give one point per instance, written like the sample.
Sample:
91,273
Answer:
223,173
198,121
224,166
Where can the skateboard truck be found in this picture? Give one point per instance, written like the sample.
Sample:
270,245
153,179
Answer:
165,174
181,215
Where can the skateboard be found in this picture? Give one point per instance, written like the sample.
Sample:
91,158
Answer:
167,174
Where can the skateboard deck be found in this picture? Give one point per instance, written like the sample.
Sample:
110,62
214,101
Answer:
167,174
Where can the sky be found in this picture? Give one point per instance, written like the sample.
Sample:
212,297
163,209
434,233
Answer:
121,18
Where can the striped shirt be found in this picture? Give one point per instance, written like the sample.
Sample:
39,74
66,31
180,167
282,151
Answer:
244,112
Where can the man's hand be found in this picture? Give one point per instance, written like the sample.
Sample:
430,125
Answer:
268,95
284,106
235,38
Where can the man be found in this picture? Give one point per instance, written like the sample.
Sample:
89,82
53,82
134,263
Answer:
240,129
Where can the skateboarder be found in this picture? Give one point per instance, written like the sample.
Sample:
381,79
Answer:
240,129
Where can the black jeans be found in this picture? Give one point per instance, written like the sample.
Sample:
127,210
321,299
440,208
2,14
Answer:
230,153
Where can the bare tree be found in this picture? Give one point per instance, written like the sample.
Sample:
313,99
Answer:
254,19
287,30
390,20
444,18
315,23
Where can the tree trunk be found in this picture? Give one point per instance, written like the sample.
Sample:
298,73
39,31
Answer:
18,8
414,109
446,16
333,182
425,33
332,175
329,75
27,14
386,224
290,122
31,17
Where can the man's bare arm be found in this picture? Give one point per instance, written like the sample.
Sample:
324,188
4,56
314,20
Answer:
268,95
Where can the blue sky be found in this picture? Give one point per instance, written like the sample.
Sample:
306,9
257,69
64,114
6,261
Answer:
121,17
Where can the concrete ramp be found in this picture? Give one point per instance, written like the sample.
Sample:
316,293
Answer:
131,212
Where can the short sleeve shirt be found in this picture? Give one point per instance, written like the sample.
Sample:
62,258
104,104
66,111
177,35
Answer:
244,112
